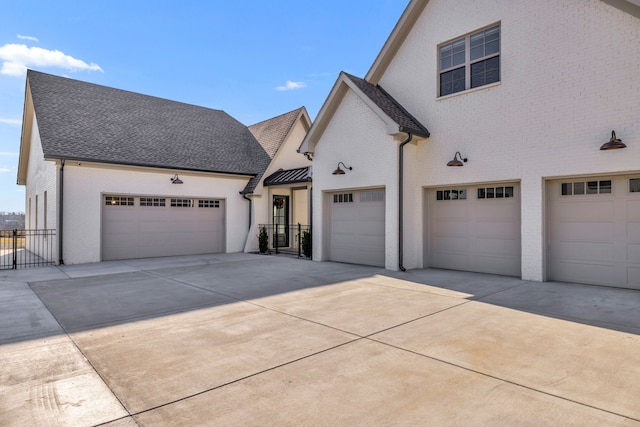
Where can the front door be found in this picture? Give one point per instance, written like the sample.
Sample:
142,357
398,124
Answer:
281,221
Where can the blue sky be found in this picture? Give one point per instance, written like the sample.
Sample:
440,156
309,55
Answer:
253,59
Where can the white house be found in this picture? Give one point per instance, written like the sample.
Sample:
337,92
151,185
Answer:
521,95
122,175
280,199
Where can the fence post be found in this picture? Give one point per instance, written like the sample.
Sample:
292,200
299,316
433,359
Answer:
275,233
15,249
299,240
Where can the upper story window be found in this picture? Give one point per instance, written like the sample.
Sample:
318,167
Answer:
470,61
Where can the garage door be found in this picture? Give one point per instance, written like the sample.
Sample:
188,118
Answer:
143,227
475,228
594,231
356,227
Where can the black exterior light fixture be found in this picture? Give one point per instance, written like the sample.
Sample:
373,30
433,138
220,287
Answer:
613,144
339,171
456,162
176,180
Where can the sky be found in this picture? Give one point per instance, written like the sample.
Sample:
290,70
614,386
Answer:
254,59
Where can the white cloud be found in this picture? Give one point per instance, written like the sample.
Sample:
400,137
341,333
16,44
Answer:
292,86
4,170
8,153
17,57
33,39
13,122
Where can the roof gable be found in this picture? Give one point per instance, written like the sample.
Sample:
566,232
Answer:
397,118
413,11
84,121
272,133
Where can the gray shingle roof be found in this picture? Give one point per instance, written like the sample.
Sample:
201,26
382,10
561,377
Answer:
271,133
406,122
89,122
290,176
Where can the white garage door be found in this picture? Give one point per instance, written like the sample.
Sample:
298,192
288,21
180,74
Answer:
356,230
594,231
475,228
143,227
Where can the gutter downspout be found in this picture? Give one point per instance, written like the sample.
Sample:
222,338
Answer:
60,214
401,199
244,196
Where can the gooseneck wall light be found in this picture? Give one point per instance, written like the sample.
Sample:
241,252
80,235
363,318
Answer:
339,171
613,144
176,180
456,162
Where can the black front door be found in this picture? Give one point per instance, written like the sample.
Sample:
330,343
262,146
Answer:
281,221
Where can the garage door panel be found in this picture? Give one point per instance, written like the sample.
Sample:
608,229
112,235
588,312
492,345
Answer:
488,264
585,210
452,229
452,214
633,274
585,231
496,211
451,261
452,244
497,229
589,273
579,251
500,247
633,210
633,252
633,232
475,234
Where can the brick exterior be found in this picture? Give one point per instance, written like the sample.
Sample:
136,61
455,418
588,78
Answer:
570,73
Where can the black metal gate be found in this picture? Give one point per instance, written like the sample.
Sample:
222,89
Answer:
26,248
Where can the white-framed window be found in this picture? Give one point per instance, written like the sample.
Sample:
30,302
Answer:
181,203
495,192
460,194
208,203
634,185
118,201
470,61
153,201
343,198
580,188
372,196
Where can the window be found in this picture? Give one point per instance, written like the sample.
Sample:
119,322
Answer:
451,194
372,196
470,61
588,187
152,201
208,203
495,193
181,203
118,201
634,185
343,198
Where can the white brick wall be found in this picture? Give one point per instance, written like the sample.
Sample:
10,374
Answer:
570,73
41,178
86,183
357,137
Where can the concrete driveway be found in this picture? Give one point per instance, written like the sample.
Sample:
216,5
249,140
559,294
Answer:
247,340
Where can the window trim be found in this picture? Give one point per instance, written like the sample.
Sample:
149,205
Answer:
468,62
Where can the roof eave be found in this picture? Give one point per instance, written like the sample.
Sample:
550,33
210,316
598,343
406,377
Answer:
395,40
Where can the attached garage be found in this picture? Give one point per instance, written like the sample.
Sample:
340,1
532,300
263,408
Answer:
594,231
474,228
356,227
152,226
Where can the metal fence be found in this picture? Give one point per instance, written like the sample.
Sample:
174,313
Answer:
27,248
291,239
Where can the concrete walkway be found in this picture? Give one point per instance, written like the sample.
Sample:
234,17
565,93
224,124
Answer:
242,340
